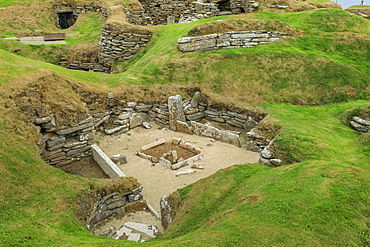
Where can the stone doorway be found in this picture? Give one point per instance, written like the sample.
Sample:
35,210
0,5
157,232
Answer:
66,20
224,5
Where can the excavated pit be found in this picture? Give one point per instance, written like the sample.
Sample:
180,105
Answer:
158,181
86,167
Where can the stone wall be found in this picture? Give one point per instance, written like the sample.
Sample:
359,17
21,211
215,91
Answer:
77,10
120,45
229,40
91,66
116,204
162,12
61,145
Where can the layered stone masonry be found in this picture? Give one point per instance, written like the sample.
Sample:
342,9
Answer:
116,204
87,66
78,10
120,46
93,66
62,145
162,12
229,40
360,125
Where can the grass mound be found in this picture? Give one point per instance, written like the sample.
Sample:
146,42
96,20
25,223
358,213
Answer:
241,25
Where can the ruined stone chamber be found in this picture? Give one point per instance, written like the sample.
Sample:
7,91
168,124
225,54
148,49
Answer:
61,145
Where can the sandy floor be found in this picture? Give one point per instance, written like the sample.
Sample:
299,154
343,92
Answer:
157,180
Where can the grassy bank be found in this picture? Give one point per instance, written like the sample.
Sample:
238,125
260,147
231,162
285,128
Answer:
321,199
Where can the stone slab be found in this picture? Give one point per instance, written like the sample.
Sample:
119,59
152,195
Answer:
153,144
105,162
149,230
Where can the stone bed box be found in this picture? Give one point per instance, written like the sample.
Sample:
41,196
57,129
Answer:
167,163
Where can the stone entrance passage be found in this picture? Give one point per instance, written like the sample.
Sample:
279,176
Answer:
224,5
66,20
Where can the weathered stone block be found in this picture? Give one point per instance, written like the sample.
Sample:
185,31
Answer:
176,112
119,159
153,144
186,172
195,116
183,127
361,121
53,141
202,45
137,119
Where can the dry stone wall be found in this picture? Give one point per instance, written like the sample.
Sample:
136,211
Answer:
61,145
162,12
229,40
116,45
87,66
116,204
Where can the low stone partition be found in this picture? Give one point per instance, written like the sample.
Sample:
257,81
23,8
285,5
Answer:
172,159
360,125
217,134
105,163
229,40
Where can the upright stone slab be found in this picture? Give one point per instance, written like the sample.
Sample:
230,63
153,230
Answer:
176,111
195,100
165,212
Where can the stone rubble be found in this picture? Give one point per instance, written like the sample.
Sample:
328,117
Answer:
119,159
360,125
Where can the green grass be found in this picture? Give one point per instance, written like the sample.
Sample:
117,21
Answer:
358,6
320,133
6,3
292,70
86,30
320,199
